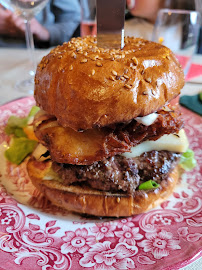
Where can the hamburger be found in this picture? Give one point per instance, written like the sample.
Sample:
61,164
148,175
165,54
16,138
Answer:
109,140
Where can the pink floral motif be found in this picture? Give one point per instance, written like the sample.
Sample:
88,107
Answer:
103,230
11,214
125,222
102,257
129,235
159,244
77,241
191,237
165,221
6,220
6,197
183,231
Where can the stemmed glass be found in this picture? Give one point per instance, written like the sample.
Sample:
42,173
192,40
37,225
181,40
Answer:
26,9
178,30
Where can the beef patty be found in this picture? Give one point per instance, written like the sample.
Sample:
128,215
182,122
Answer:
119,173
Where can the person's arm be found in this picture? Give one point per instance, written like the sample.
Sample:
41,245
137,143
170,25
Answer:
67,19
13,26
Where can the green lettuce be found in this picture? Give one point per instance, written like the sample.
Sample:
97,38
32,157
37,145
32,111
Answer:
19,149
20,145
16,124
188,161
33,111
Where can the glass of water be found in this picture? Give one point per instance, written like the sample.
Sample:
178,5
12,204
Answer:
179,31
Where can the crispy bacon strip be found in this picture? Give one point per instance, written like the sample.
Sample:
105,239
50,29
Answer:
84,148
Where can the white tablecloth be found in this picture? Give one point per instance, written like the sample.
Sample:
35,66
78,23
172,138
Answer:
14,66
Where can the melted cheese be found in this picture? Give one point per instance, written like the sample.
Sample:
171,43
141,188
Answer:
174,143
51,175
148,119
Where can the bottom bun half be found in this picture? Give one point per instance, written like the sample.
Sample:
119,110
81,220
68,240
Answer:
86,200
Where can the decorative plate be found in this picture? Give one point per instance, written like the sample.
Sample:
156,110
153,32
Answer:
168,237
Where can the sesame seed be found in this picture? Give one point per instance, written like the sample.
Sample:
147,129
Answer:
118,199
84,60
114,72
122,78
112,78
85,53
153,92
93,72
126,76
60,56
71,67
73,55
78,49
98,64
126,70
128,86
135,61
148,80
133,67
145,93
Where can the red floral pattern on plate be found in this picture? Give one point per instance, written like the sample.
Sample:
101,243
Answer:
32,238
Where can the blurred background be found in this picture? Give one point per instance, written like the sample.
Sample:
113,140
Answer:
62,19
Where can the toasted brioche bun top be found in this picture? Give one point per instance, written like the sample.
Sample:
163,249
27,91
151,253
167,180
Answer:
85,86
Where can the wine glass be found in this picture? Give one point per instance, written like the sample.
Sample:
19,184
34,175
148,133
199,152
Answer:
26,9
179,31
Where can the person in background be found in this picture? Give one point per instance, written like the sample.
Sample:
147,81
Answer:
142,14
55,24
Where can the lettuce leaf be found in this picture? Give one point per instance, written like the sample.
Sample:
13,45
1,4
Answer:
16,124
33,111
19,149
188,161
20,146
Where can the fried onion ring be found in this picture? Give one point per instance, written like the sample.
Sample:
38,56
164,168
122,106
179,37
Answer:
84,148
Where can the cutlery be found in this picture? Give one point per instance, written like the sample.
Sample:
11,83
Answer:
110,23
